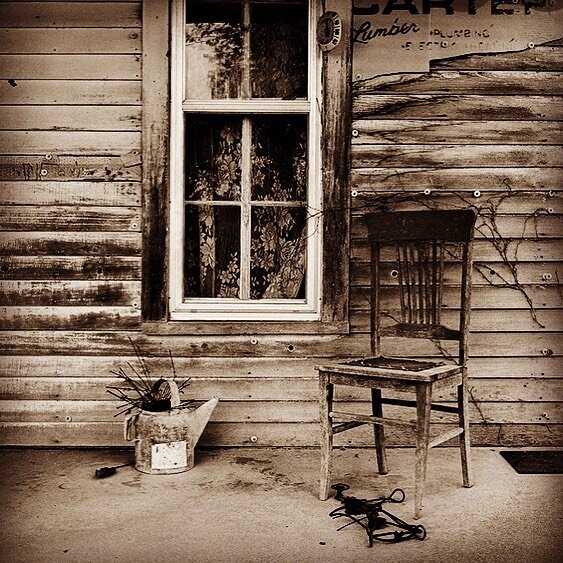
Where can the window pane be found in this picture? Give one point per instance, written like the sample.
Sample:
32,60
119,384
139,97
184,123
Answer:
246,49
212,254
278,46
279,158
277,254
213,157
214,40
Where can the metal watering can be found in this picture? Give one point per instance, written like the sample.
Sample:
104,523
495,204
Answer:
165,441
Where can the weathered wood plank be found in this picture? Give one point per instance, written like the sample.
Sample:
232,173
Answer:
472,107
538,58
495,273
71,92
336,116
69,243
74,67
70,268
453,155
514,203
70,293
512,320
156,153
70,142
79,40
269,434
70,118
221,368
464,82
115,343
290,389
461,179
70,193
545,250
482,297
103,317
482,132
509,226
63,14
271,411
256,368
69,168
52,218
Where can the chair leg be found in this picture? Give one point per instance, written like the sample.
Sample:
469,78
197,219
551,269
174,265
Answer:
423,411
379,432
326,391
464,440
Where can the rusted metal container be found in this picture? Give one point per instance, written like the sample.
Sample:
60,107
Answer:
165,441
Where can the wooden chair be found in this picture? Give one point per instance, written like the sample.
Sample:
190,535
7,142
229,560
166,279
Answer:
422,242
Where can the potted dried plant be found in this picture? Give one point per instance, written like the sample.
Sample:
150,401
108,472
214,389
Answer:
164,426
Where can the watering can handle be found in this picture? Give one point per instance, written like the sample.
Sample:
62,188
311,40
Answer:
129,426
174,393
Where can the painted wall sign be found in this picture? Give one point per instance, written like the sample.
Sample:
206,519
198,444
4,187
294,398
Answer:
329,31
393,36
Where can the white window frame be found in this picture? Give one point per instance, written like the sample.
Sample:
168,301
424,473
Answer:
226,309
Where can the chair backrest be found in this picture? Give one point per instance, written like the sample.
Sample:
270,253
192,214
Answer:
424,245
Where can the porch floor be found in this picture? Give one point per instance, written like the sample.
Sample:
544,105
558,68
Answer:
260,505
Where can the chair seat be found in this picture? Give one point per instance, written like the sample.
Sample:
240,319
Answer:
393,368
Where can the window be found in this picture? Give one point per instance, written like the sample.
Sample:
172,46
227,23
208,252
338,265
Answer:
245,220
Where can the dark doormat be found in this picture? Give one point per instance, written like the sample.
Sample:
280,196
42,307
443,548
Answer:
534,461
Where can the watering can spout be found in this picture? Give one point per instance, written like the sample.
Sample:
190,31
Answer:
200,418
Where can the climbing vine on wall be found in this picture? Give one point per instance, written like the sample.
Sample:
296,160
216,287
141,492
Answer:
487,226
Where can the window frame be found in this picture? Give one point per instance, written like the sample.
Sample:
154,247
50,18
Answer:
335,178
215,308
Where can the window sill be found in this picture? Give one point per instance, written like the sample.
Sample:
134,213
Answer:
240,328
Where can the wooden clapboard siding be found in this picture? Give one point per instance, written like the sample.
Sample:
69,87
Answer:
513,344
404,131
458,106
71,235
69,14
268,434
462,180
68,40
521,155
70,196
70,118
70,293
70,92
69,267
465,82
288,370
266,411
542,58
492,392
58,67
479,131
70,193
69,243
70,168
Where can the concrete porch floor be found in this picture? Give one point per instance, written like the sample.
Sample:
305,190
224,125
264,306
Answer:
260,505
